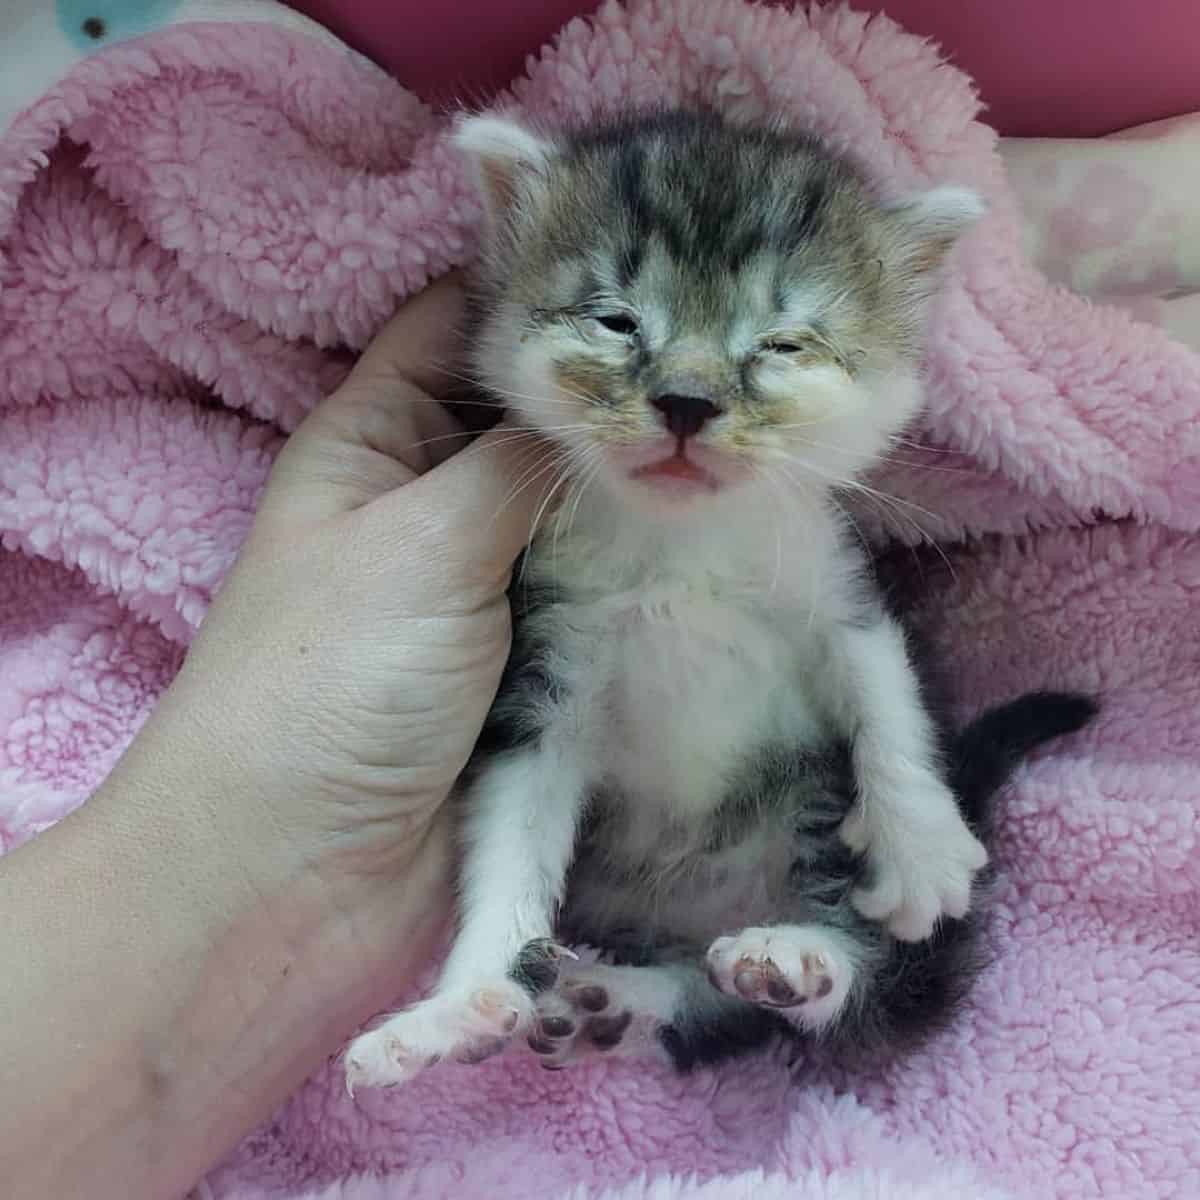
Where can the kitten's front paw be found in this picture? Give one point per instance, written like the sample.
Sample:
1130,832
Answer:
801,970
463,1027
922,858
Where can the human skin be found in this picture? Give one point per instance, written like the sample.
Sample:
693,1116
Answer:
268,863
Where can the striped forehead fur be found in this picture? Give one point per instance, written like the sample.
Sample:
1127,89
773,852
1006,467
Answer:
682,204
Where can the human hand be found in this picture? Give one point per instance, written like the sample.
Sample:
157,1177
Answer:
347,664
265,867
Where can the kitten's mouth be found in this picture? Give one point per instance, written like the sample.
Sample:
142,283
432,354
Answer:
676,471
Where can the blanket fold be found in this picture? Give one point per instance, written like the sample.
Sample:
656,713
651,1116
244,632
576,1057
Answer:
202,221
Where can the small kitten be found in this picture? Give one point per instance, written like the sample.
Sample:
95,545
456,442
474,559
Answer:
711,755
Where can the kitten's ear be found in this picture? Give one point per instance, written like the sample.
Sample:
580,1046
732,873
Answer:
502,152
931,223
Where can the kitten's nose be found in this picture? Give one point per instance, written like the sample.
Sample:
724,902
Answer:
684,416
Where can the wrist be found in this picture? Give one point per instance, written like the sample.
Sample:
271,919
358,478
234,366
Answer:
262,960
281,799
258,869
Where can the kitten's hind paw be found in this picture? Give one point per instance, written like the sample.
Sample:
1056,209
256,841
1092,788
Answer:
578,1020
598,1009
463,1027
802,971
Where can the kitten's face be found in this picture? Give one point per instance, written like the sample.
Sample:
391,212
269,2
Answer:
690,308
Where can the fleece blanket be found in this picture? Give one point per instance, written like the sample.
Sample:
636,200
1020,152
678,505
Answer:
207,206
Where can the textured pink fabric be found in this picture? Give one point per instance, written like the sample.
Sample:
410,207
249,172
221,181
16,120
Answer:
249,204
1070,68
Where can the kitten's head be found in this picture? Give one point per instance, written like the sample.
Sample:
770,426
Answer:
690,307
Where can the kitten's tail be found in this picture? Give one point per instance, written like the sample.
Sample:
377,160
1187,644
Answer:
987,751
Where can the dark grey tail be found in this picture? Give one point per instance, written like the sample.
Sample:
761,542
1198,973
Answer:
987,751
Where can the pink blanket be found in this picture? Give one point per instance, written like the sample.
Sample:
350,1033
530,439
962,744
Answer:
197,226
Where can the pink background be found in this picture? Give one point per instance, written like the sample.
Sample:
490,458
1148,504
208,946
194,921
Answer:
1046,68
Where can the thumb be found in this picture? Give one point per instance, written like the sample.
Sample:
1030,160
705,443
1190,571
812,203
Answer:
384,425
482,506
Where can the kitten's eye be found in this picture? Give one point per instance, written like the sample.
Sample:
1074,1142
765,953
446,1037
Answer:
784,346
620,323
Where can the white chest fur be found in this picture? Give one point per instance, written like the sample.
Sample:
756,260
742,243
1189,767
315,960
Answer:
684,652
679,685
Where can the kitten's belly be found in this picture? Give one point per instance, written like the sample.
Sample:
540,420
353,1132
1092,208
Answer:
620,901
694,687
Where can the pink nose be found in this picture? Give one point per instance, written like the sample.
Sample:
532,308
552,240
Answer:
684,416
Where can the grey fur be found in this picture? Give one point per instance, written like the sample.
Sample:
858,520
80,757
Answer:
714,224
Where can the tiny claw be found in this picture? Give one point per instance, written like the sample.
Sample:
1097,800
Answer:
564,952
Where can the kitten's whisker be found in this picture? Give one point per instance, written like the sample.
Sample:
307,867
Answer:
870,459
565,518
546,462
823,420
537,516
900,440
589,462
814,494
891,504
588,480
505,437
501,436
856,485
563,477
479,446
867,458
505,393
449,402
859,532
773,483
898,501
864,541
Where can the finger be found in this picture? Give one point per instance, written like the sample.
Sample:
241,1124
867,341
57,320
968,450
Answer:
355,447
380,428
483,505
420,345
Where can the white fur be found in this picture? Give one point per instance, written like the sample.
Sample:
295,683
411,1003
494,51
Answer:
810,958
943,212
519,837
650,995
503,156
907,819
498,139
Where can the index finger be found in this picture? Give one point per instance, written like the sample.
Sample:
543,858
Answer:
421,345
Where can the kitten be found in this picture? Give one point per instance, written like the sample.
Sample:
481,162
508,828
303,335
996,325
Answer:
711,754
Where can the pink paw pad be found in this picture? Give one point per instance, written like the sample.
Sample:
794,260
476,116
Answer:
796,969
